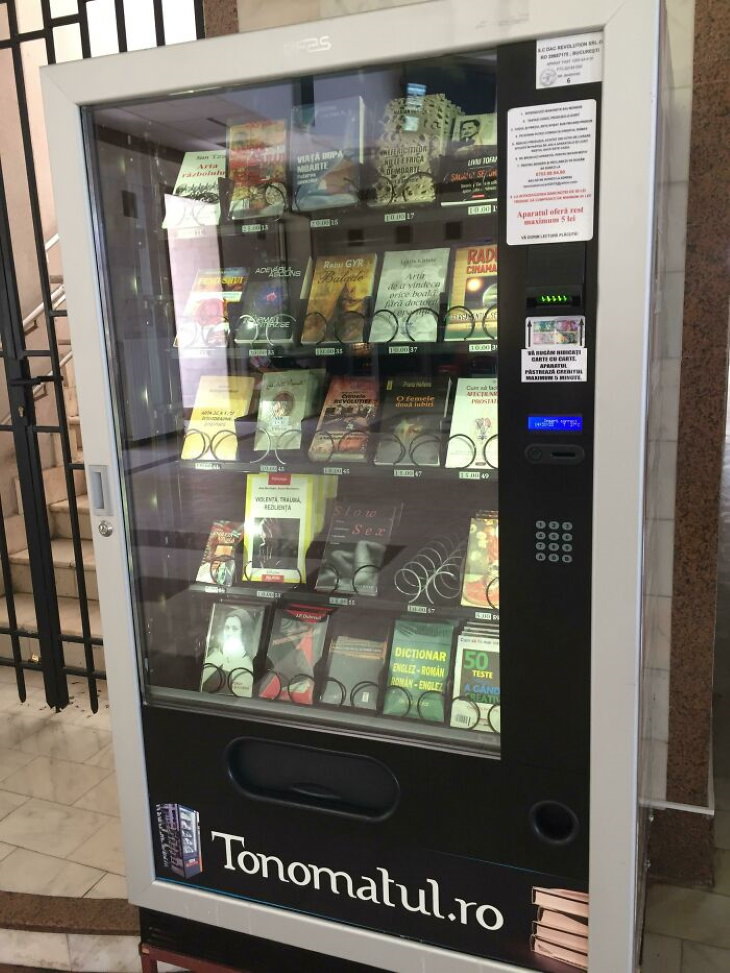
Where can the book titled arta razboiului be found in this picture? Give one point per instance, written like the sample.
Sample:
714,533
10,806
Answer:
257,157
295,647
420,656
470,163
473,434
481,565
344,427
472,311
219,401
357,543
414,408
195,198
408,301
326,150
340,299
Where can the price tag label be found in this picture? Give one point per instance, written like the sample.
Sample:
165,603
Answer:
470,475
267,594
333,470
421,609
208,466
328,351
482,209
408,471
397,217
402,349
253,228
341,601
482,347
319,224
485,616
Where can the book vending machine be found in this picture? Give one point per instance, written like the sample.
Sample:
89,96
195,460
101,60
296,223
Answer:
360,313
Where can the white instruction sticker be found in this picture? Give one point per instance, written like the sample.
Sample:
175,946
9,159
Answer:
550,174
577,59
554,364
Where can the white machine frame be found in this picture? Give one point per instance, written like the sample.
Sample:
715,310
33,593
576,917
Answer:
626,219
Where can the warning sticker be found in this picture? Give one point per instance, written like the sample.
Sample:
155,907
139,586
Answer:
577,59
550,176
554,364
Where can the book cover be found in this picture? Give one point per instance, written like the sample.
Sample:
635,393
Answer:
481,565
473,434
206,316
472,313
569,956
348,413
257,156
470,179
326,149
418,669
476,682
408,302
410,428
295,647
278,527
558,920
234,633
219,563
219,401
195,199
561,900
285,400
355,665
357,542
561,938
339,299
270,304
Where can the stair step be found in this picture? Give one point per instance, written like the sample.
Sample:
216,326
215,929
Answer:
63,566
54,482
61,512
15,533
68,610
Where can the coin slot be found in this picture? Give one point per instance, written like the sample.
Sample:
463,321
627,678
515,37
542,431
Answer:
558,453
553,822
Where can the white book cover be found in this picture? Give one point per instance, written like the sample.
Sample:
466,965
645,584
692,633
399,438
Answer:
195,200
286,398
409,295
278,527
473,433
476,683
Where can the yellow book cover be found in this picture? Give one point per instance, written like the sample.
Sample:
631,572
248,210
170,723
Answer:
339,300
472,313
219,401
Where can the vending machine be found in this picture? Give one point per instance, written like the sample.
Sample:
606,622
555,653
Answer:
360,316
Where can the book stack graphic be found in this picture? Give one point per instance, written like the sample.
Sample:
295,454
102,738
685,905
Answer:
561,930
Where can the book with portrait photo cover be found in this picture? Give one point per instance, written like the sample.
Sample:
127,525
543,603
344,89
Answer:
295,647
234,633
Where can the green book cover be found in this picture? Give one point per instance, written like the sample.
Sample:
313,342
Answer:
420,658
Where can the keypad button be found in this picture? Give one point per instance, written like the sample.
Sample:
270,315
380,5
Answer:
567,548
539,557
554,535
553,524
553,547
554,557
567,537
540,524
567,525
567,559
540,546
540,535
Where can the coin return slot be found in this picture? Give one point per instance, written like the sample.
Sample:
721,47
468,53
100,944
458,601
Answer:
553,822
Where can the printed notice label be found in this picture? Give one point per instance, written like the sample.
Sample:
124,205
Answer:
550,175
554,364
577,59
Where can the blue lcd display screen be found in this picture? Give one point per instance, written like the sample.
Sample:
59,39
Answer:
555,423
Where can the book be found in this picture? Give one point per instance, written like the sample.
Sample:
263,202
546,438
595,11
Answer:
561,900
295,647
561,938
481,565
348,413
473,434
356,545
558,920
408,302
472,133
206,315
257,157
414,133
470,164
211,432
326,150
414,407
270,305
234,633
418,669
219,565
476,682
280,522
472,312
178,828
579,960
339,299
285,400
355,663
195,199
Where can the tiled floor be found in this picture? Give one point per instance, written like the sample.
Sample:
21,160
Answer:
59,819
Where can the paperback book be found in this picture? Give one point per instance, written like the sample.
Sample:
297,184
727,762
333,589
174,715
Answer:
348,414
355,663
472,313
356,546
473,433
481,566
257,157
414,408
326,149
270,305
234,633
206,316
295,647
219,401
470,165
195,199
476,695
286,399
340,299
418,670
408,302
218,566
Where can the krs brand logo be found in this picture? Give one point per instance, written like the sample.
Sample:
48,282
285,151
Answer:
310,45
